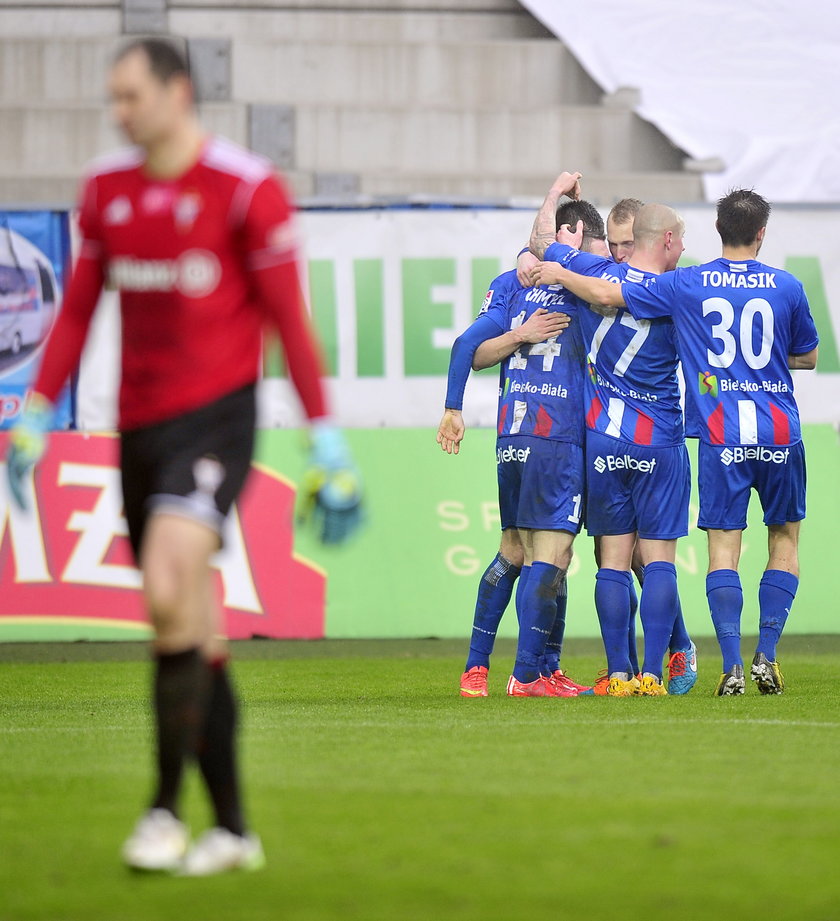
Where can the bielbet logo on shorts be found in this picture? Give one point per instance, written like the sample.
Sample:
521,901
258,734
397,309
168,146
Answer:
503,455
623,462
768,455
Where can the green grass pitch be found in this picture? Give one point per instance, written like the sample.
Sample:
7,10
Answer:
382,795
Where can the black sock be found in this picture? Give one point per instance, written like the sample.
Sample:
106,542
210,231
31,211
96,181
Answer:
180,696
217,755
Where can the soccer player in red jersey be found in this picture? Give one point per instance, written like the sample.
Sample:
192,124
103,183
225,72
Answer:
197,234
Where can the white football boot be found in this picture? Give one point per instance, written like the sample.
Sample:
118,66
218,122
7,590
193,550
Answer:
219,850
158,842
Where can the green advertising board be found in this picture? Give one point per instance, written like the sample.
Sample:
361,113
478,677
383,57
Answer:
433,526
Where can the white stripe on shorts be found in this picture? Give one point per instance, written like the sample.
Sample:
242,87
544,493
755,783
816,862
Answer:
615,411
747,422
520,407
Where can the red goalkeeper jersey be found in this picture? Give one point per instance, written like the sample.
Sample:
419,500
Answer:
202,263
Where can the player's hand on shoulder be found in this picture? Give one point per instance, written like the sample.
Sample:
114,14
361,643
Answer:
331,490
547,273
27,444
525,262
542,325
451,430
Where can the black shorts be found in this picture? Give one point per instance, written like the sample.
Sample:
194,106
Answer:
194,465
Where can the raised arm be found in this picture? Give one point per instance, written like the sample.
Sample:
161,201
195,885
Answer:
544,229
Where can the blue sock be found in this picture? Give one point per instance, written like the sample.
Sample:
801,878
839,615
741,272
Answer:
726,600
536,618
659,602
776,592
520,588
494,593
632,649
612,601
680,640
554,646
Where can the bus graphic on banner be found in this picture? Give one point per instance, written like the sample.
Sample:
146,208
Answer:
27,299
34,251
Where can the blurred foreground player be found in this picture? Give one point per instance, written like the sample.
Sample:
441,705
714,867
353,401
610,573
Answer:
197,235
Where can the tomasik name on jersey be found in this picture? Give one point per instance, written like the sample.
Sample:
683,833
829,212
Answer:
738,279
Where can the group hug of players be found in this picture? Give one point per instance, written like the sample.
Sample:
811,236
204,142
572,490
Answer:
591,429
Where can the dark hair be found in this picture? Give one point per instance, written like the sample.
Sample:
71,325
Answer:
625,210
166,59
741,213
571,212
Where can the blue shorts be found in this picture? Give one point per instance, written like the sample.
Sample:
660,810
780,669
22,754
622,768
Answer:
727,474
540,483
640,488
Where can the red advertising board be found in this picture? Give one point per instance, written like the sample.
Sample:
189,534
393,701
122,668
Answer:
67,560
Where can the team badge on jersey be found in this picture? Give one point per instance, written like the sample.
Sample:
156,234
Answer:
118,211
157,199
707,384
487,298
186,210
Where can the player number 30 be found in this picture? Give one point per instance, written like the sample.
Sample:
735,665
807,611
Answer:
756,309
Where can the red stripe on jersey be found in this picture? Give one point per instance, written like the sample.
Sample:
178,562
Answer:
781,425
644,429
502,416
594,411
544,423
715,425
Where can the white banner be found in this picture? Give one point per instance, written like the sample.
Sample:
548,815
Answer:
747,83
391,290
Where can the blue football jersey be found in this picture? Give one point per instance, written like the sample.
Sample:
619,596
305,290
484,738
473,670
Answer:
482,328
736,323
541,384
631,392
502,288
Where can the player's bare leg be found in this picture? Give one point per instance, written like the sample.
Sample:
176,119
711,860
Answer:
783,547
175,561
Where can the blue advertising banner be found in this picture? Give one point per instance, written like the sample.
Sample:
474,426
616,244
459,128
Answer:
34,257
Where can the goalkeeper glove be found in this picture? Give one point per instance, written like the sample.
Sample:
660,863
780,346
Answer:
331,488
27,443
